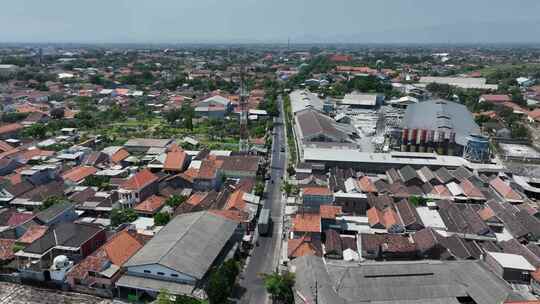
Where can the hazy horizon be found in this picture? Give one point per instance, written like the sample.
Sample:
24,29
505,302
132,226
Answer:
258,21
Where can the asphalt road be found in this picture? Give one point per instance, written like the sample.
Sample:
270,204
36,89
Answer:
262,256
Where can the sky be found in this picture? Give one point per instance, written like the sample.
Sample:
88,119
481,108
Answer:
270,21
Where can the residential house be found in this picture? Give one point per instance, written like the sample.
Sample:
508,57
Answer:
8,165
209,175
77,175
96,158
35,197
495,99
315,196
410,177
75,241
57,213
511,267
387,246
40,174
505,191
175,160
213,107
245,203
304,246
409,215
142,145
333,248
150,206
240,166
98,272
10,130
329,214
137,188
307,224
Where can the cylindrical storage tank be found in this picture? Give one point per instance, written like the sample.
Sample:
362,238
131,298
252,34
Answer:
440,142
477,149
404,139
405,135
414,136
431,141
451,143
422,144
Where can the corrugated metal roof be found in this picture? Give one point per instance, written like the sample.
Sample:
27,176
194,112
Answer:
188,244
440,114
399,282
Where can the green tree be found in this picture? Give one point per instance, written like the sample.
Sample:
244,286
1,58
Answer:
418,201
37,130
120,216
161,218
52,200
230,270
259,189
173,115
164,297
175,200
289,188
182,299
221,282
218,289
11,117
57,113
101,182
279,286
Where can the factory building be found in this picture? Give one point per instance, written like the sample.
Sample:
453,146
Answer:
444,127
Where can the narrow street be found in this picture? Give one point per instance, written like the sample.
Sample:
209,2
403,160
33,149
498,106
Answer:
263,256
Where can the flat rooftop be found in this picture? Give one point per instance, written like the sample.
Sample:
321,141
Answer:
519,151
398,158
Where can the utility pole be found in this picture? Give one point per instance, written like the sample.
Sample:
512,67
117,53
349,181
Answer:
244,136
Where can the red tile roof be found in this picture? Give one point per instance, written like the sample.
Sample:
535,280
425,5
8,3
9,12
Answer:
470,189
196,198
441,191
496,98
10,128
4,146
236,201
119,155
33,233
390,218
121,247
117,250
140,180
151,204
340,58
77,174
303,246
18,218
319,191
366,185
486,213
235,215
6,249
307,222
504,189
175,159
535,114
329,211
31,153
375,216
13,178
209,168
